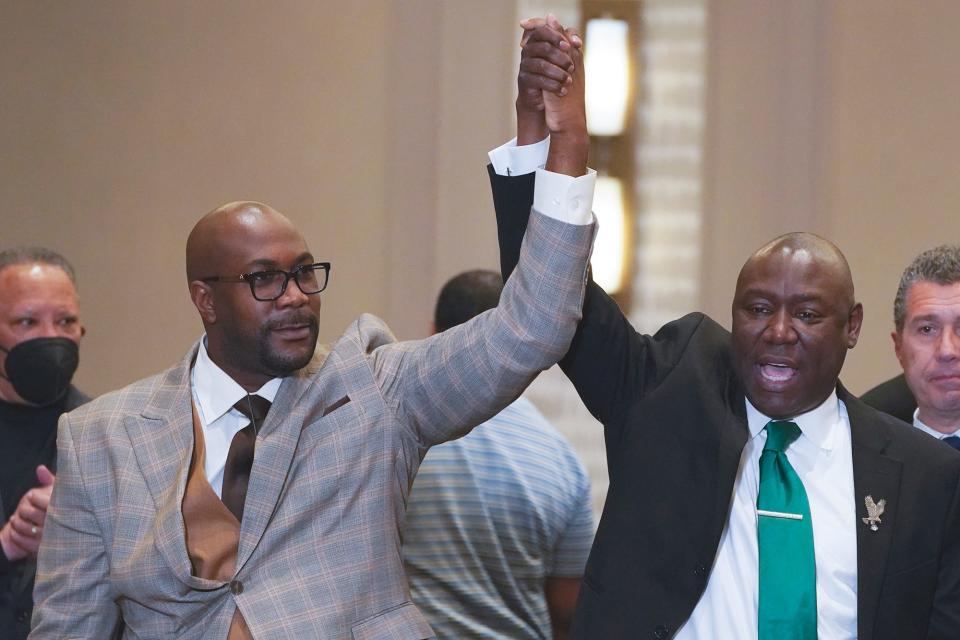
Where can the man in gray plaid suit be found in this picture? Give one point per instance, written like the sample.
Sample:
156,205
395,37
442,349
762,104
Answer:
156,528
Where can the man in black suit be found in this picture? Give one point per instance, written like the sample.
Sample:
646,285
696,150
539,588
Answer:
926,338
686,415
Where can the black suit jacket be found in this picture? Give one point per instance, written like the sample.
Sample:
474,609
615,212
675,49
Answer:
893,397
675,426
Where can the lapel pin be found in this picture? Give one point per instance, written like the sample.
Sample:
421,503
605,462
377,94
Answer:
874,511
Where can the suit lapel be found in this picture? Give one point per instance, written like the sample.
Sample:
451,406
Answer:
162,439
875,474
276,447
734,434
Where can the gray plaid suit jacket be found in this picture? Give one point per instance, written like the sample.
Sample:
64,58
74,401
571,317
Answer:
319,553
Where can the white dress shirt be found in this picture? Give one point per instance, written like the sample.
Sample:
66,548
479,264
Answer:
823,458
936,434
214,394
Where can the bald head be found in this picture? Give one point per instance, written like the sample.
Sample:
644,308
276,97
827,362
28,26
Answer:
808,248
225,230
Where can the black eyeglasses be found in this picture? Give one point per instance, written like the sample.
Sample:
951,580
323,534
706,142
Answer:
270,285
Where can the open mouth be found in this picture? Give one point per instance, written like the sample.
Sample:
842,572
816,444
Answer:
776,374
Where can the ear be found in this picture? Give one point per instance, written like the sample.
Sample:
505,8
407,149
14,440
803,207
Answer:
898,345
202,295
854,322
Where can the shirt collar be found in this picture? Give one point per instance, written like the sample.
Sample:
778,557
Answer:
816,425
936,434
216,391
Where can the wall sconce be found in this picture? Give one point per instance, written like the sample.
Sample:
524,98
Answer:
608,260
608,70
607,66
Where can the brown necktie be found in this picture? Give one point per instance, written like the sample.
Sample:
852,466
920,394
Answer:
236,471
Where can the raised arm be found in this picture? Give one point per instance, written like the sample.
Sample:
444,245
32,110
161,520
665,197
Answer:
606,359
448,383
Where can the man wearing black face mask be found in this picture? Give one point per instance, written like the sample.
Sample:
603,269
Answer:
39,332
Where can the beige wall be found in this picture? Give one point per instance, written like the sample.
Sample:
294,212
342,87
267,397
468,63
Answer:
892,174
367,123
840,118
123,122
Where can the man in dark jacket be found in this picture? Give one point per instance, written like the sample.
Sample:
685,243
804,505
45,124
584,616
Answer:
926,338
751,496
40,331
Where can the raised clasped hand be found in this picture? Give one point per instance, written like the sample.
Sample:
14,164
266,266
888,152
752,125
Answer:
550,82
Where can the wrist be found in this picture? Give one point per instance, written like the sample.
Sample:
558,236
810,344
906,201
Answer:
574,135
7,547
568,154
531,126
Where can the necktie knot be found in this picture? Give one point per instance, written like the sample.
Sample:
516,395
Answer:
255,408
780,435
953,441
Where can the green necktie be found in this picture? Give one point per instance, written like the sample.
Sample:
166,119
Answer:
788,577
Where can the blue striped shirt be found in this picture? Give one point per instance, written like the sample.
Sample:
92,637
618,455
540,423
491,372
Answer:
491,516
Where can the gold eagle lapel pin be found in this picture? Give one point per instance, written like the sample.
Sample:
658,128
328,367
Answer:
874,511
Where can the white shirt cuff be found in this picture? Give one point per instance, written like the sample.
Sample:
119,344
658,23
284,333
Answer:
511,160
564,197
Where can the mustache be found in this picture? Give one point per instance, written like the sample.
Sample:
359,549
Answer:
293,320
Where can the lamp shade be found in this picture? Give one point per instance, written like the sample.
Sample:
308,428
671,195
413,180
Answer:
609,251
607,66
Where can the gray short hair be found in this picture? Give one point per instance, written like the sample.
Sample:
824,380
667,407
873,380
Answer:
31,255
940,265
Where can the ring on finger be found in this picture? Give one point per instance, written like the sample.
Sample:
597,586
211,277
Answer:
33,530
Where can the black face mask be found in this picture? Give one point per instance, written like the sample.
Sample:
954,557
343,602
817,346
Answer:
40,369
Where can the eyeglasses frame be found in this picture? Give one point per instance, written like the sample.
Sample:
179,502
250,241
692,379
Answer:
250,279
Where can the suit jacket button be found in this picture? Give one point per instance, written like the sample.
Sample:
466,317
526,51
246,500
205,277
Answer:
660,632
22,615
699,570
236,587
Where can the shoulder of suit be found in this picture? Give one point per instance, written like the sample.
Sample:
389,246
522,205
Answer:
694,323
366,333
699,335
361,338
128,400
908,443
893,397
705,324
930,450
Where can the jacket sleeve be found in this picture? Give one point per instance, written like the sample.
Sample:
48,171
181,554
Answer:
443,386
72,597
608,360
